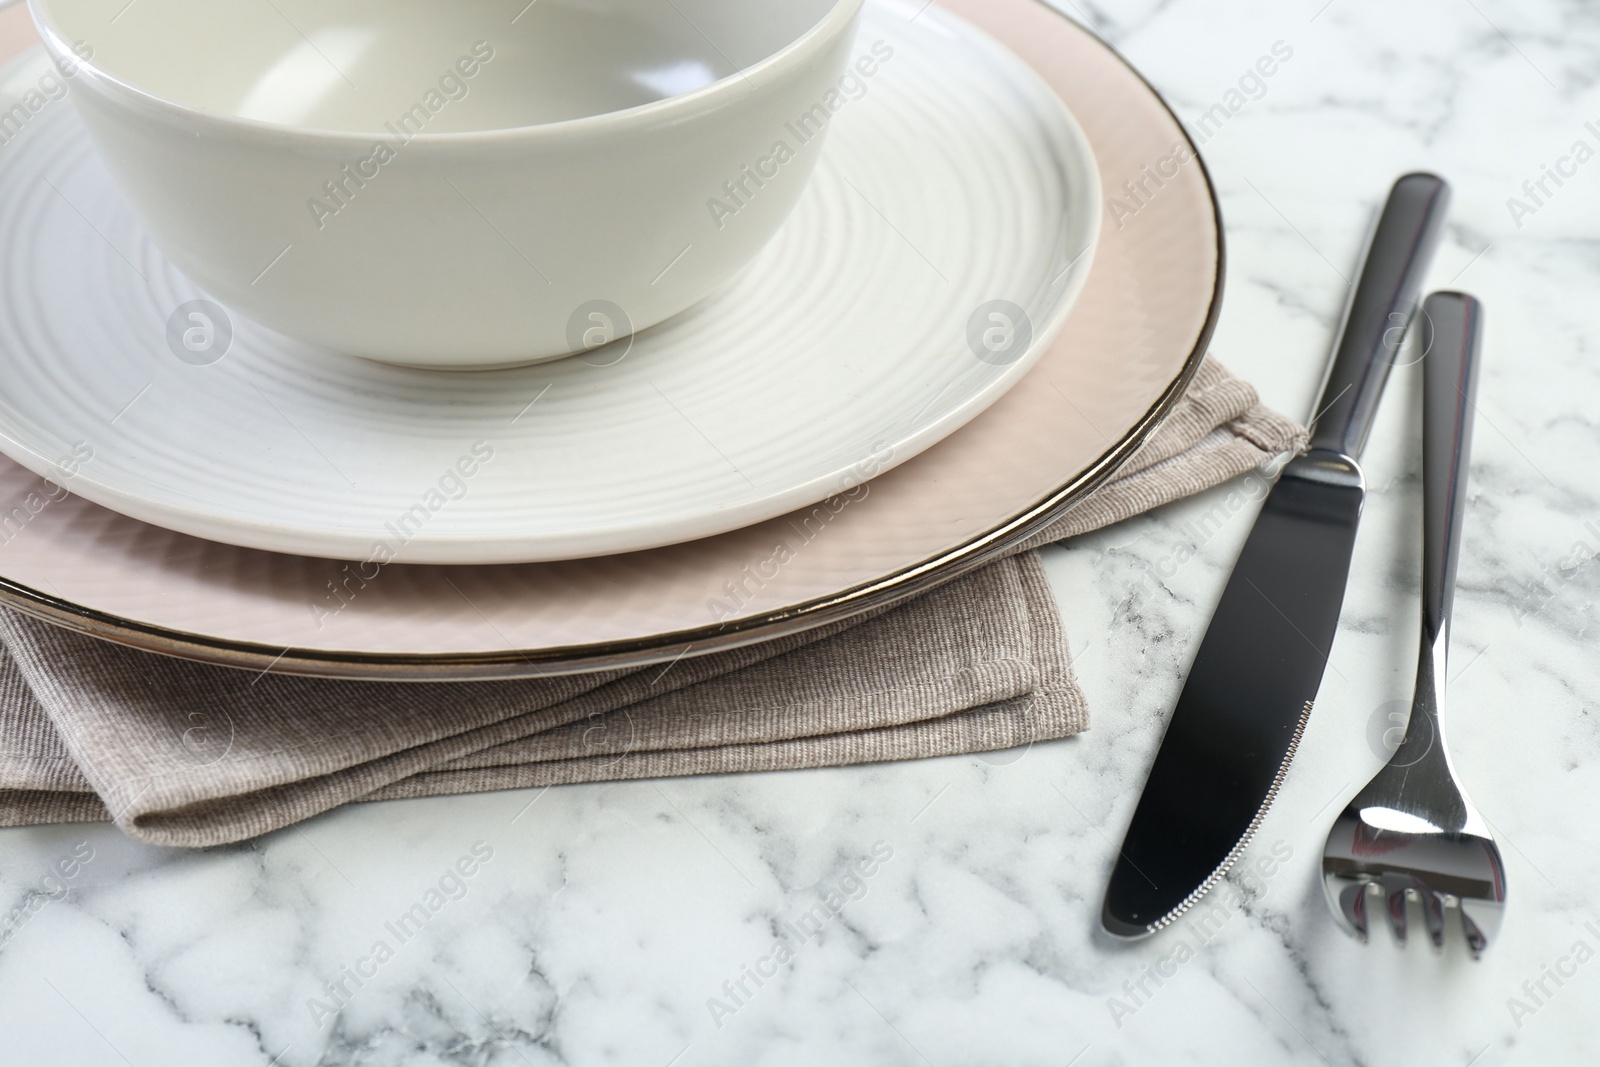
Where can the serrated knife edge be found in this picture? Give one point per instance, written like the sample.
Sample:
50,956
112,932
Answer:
1232,857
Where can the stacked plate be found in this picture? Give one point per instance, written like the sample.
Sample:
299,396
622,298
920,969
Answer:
941,349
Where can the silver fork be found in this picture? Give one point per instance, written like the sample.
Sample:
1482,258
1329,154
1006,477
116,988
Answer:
1411,834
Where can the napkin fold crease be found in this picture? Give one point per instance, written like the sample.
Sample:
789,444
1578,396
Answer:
186,754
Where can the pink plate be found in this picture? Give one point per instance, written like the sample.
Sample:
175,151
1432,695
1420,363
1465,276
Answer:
1134,339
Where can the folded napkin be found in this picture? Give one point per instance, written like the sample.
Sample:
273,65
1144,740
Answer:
179,753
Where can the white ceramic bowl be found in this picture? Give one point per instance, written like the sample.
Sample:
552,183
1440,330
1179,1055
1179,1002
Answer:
463,183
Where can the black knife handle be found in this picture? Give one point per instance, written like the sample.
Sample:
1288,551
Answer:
1375,325
1452,333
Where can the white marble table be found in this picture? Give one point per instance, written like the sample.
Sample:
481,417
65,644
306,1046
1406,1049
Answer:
607,918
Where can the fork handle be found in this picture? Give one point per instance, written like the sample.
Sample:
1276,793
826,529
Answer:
1452,336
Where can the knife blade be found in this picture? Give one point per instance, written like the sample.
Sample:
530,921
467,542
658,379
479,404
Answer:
1250,690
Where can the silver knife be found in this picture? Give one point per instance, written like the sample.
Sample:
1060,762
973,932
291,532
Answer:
1251,688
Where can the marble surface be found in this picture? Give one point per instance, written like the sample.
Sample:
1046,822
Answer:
617,923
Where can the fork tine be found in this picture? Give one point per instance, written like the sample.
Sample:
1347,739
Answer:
1432,913
1394,888
1353,907
1476,941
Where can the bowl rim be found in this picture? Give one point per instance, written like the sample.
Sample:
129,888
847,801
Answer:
840,17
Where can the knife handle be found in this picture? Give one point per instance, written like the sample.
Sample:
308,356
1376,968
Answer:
1452,325
1375,324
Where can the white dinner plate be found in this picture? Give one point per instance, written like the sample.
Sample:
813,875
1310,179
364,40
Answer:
937,253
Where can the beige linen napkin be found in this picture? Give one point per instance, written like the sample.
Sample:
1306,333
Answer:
179,753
